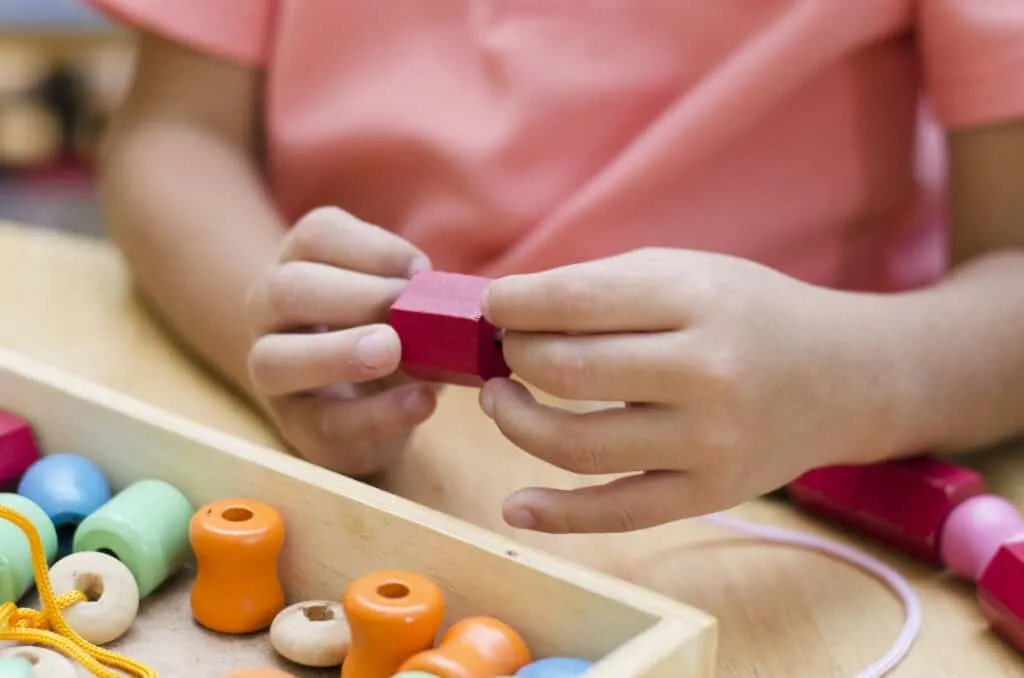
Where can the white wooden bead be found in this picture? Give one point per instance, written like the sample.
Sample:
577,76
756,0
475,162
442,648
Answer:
312,633
46,663
113,595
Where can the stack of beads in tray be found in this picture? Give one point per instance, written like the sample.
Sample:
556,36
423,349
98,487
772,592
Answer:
105,552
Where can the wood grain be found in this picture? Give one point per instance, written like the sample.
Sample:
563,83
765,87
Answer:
782,612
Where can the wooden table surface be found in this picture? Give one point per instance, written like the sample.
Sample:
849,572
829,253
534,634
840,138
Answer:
783,612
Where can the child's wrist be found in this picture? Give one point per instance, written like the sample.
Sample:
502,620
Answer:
881,374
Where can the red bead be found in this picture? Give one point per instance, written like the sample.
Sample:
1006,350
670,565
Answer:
1001,593
18,450
903,503
445,338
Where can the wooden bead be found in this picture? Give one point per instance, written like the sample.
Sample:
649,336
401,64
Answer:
475,647
69,488
445,338
113,595
392,615
46,663
312,633
18,450
237,543
16,573
16,667
145,526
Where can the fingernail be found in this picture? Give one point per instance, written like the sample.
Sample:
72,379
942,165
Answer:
420,263
521,517
487,401
374,350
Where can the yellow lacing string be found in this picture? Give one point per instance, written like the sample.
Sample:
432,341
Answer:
47,626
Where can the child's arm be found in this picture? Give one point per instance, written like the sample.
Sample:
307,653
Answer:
187,205
746,378
184,198
965,337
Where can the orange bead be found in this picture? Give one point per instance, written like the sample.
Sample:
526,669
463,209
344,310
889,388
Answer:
476,647
392,615
236,543
260,673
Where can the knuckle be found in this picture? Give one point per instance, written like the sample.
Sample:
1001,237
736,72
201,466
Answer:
576,455
572,297
567,371
264,368
314,230
622,519
377,424
725,369
284,292
724,439
252,306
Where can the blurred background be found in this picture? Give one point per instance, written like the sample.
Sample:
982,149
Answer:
63,69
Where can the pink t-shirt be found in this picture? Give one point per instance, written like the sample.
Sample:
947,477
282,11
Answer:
513,135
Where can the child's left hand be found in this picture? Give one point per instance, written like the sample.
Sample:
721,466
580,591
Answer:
737,378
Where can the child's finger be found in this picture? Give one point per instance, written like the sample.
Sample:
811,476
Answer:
613,440
280,364
352,436
331,236
599,367
299,295
600,296
622,505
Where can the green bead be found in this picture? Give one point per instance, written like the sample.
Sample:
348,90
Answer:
145,526
16,667
16,574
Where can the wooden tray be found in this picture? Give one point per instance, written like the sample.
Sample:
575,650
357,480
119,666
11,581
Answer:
339,529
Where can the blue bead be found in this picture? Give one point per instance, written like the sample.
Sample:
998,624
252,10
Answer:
555,667
68,487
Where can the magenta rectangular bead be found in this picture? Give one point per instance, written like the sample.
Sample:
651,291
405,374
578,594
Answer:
445,338
902,503
18,449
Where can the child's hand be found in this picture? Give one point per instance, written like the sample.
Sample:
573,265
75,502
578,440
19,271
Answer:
738,379
324,362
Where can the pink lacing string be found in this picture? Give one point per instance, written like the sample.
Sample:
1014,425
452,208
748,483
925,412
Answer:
896,582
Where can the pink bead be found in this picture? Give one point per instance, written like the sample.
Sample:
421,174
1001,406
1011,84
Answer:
973,532
18,449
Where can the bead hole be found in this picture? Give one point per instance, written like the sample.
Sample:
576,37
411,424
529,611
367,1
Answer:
30,657
91,585
393,590
236,514
318,613
66,532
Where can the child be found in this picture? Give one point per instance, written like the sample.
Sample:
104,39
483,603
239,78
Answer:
710,210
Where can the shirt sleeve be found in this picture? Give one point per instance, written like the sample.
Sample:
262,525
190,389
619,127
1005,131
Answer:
973,59
235,30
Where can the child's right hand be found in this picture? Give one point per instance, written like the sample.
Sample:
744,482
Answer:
324,363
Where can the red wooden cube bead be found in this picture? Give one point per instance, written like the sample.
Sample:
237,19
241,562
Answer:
445,338
903,502
1001,593
18,450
